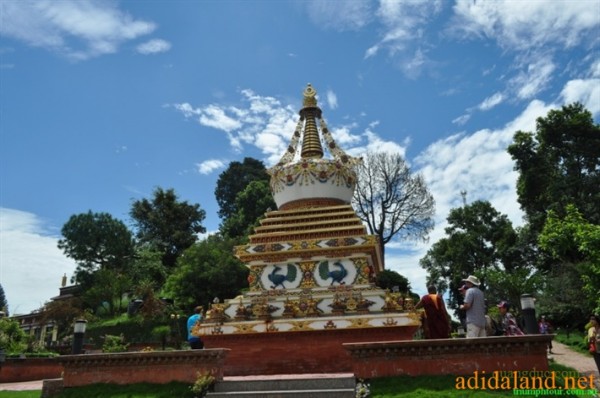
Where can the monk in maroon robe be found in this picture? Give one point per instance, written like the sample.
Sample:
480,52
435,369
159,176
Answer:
436,318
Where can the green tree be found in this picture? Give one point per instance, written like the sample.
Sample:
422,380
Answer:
391,200
167,225
63,314
3,302
575,243
147,266
13,339
234,180
388,279
251,204
480,241
106,291
208,270
96,241
559,165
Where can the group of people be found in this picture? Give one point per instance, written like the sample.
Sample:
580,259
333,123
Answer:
477,322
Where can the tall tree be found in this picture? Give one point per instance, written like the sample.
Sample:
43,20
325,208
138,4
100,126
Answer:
559,165
388,279
167,224
3,302
575,244
234,180
480,241
391,200
208,270
96,241
251,204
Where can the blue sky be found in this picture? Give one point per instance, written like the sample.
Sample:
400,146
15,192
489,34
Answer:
103,101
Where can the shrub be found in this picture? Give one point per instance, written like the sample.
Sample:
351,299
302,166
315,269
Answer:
114,344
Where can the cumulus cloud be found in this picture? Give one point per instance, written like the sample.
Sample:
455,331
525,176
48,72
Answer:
154,46
208,166
77,29
31,265
586,91
519,25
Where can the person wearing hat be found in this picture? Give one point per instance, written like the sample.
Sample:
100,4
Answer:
509,322
475,308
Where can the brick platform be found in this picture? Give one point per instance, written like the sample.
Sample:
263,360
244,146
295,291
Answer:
317,351
157,367
449,356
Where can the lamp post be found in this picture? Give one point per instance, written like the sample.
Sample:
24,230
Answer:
528,307
79,331
175,330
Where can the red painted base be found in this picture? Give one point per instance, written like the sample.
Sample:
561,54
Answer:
315,351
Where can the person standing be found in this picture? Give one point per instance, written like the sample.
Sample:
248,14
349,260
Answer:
436,317
195,341
545,328
509,322
475,308
593,338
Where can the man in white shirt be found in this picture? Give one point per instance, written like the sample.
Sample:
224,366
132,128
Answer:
475,307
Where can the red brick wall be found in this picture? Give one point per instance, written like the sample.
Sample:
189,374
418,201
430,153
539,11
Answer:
16,370
449,356
318,351
157,367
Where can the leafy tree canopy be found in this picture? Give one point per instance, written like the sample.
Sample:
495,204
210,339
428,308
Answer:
388,279
96,241
234,180
3,302
251,204
575,242
479,241
207,270
167,224
558,165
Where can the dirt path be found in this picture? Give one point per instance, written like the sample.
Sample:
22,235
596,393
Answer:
583,363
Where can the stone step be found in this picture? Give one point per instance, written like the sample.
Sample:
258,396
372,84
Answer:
297,386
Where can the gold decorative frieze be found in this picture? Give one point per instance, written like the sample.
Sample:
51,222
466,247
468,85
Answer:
301,325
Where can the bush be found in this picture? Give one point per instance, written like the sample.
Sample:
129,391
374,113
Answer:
114,344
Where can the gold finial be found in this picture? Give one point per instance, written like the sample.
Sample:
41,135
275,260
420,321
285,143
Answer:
311,144
310,99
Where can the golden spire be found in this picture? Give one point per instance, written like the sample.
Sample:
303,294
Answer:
311,144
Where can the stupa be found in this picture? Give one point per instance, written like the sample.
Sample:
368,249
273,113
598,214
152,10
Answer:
312,269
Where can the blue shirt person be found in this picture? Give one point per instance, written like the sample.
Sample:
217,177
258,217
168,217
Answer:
195,341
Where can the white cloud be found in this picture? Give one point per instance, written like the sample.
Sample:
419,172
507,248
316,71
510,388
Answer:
586,91
339,15
332,99
215,116
524,25
461,120
491,102
154,46
208,166
31,265
535,78
61,26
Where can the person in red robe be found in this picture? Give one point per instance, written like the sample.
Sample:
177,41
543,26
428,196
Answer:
436,318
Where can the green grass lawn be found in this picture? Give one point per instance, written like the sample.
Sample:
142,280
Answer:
389,387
